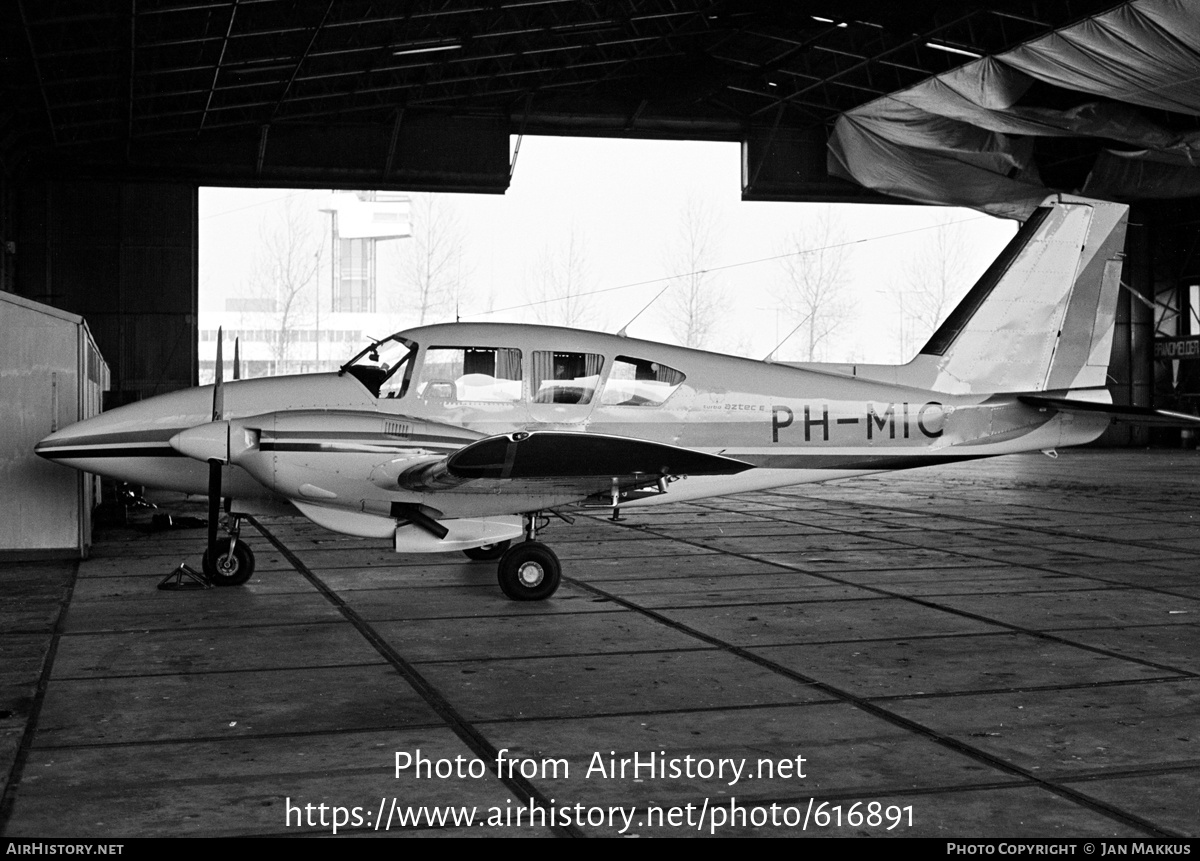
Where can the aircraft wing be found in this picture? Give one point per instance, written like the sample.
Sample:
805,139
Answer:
551,454
1129,415
319,456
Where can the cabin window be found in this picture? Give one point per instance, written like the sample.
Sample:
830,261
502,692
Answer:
487,374
639,383
565,378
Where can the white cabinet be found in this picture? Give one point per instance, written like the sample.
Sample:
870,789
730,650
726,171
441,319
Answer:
51,376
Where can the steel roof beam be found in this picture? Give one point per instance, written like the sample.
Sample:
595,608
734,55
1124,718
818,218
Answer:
216,69
37,68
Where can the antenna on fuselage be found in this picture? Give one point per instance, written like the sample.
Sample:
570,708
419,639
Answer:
622,333
770,357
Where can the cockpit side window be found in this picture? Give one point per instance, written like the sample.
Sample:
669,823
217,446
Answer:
487,374
565,378
385,367
395,384
640,383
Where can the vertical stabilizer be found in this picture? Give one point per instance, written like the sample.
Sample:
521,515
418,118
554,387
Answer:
1042,315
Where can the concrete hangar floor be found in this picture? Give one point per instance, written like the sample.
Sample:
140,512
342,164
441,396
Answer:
1003,648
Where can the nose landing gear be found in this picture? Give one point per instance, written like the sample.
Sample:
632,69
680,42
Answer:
229,562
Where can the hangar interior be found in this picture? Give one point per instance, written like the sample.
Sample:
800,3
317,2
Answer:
114,114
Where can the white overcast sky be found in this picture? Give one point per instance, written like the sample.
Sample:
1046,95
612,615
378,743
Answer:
623,199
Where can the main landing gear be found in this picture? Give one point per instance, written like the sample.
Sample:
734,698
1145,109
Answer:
528,570
229,562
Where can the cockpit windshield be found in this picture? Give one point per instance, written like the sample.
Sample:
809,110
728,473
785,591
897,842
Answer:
385,367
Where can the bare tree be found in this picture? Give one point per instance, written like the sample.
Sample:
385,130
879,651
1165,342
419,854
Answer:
284,276
934,280
560,283
694,304
812,293
433,260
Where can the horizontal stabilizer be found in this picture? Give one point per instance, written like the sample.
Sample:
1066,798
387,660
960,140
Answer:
1129,415
548,454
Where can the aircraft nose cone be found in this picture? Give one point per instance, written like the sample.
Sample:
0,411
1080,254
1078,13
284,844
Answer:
46,448
204,442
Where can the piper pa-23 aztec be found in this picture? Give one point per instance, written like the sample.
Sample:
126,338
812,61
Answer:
467,436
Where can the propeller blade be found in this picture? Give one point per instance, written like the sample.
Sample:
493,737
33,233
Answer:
218,378
237,361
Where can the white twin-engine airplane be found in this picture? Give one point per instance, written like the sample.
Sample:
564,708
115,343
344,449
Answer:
466,436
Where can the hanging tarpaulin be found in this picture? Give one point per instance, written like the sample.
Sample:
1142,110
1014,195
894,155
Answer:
1140,176
1142,53
995,171
962,138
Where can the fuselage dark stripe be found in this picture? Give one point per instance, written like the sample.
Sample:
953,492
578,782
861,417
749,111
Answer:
109,451
774,461
383,438
349,448
129,437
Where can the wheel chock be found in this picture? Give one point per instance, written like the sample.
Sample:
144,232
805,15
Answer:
184,578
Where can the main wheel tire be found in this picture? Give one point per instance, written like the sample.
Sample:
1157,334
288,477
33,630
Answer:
487,552
229,569
529,571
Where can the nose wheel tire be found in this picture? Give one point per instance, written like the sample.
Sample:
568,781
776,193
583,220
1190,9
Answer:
229,569
487,552
529,571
